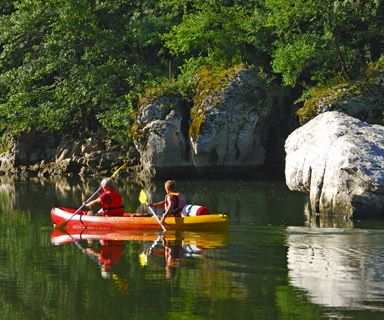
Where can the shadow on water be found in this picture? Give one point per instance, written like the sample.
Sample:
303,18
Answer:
245,202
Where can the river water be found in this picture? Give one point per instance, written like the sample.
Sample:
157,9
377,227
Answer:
274,262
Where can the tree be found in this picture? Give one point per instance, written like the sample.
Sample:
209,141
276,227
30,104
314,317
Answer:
321,39
77,66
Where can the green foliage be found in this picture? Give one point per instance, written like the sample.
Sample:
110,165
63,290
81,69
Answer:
76,66
318,39
81,66
4,144
290,60
217,32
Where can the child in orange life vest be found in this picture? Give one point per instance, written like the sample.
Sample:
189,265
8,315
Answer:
174,201
110,200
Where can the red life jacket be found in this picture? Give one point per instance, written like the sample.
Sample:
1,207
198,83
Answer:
112,203
178,201
111,252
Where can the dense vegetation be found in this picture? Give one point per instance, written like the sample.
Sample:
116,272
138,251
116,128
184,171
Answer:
81,66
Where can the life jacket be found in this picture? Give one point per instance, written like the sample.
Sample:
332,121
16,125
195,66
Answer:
112,203
178,201
111,252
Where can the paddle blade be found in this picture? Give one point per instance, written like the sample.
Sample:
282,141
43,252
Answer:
143,197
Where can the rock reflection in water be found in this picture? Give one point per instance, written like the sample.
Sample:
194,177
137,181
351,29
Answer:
326,221
338,267
41,194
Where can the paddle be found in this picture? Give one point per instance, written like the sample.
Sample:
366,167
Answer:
143,257
63,224
143,199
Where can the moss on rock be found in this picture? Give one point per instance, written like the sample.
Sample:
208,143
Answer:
361,98
209,82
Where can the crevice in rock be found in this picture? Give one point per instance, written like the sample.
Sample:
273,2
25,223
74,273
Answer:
214,156
319,191
309,179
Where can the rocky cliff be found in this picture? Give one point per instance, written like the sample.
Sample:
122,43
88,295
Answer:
44,154
228,132
233,129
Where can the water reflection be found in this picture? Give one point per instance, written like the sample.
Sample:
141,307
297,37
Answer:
244,202
326,221
41,194
169,250
338,267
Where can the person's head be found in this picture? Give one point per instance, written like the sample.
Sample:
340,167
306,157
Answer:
170,186
107,183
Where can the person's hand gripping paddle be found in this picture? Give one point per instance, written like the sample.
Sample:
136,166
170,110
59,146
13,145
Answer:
143,199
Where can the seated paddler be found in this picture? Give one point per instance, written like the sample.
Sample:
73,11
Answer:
173,203
110,200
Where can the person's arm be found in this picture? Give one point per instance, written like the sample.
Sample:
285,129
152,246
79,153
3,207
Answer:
157,204
169,210
92,203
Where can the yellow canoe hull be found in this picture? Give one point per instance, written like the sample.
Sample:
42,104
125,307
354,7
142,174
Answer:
137,221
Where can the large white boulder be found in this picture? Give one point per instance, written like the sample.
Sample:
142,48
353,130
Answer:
339,161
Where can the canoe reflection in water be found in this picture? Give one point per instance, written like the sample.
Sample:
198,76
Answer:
106,247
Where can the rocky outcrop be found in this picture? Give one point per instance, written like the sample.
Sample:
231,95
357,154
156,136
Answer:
361,99
160,134
230,127
339,161
236,128
41,154
226,132
28,149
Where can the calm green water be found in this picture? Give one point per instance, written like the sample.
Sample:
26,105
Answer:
271,264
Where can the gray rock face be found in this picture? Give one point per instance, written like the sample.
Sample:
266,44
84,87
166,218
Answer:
361,99
160,138
234,124
28,149
31,148
40,154
226,133
339,161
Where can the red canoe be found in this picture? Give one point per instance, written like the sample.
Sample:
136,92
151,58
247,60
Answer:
204,239
131,221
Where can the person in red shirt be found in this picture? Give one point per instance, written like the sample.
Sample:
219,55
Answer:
110,200
109,255
174,201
